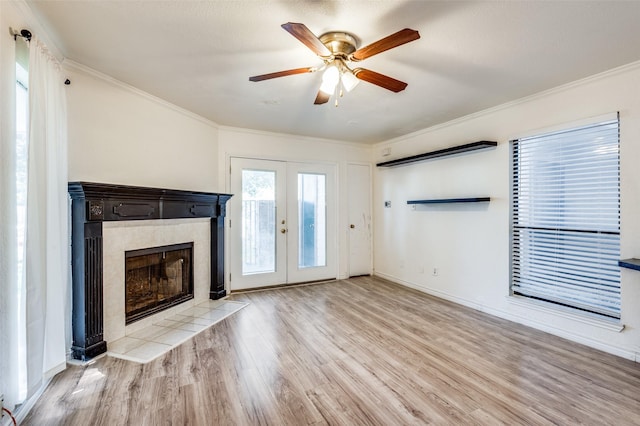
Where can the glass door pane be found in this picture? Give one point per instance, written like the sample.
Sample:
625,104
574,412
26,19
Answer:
312,223
258,221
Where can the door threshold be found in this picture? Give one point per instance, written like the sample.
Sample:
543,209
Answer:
281,286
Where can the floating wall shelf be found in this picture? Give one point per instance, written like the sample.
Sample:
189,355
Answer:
451,200
630,263
474,146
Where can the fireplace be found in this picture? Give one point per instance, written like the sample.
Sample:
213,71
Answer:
156,279
96,206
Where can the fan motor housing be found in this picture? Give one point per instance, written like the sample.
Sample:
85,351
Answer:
340,44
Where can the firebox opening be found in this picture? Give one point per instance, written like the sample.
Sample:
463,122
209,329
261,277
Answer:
157,278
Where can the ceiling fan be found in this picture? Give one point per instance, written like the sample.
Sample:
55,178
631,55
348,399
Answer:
337,50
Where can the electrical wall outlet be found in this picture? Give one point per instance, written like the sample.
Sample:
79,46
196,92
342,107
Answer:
435,272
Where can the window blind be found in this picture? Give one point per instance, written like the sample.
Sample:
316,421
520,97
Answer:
566,217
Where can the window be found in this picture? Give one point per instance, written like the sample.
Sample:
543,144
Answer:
565,217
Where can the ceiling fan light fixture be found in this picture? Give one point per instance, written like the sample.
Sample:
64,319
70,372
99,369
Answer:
349,80
330,79
337,50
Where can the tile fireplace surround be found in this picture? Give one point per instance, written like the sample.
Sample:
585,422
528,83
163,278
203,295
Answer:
119,237
110,219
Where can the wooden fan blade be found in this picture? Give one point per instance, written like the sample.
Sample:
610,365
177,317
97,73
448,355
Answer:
321,98
282,74
389,42
380,80
309,39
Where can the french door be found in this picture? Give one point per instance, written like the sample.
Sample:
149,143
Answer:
282,223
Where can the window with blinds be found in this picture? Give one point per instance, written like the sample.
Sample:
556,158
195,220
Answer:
565,217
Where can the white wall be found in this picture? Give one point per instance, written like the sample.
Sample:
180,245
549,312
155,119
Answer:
235,142
120,135
469,244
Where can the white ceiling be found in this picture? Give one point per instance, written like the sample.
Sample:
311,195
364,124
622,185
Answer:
471,56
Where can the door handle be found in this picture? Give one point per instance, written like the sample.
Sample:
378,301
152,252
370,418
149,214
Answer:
352,226
283,231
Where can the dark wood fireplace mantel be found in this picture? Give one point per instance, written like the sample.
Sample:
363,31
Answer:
95,203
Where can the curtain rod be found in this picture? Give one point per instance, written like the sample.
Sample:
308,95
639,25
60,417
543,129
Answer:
26,34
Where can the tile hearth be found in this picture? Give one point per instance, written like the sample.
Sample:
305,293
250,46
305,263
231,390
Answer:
150,342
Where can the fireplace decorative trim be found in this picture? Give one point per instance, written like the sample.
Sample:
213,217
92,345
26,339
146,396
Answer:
95,203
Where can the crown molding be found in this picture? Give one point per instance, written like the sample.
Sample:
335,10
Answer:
72,65
33,23
633,66
296,137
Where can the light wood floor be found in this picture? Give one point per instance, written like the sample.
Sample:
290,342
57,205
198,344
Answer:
359,351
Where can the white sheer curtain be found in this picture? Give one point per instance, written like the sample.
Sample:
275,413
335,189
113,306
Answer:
9,291
47,258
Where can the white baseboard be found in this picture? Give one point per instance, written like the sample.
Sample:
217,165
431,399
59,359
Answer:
528,321
55,370
23,410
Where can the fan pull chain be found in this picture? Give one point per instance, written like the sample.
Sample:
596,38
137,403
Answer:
339,90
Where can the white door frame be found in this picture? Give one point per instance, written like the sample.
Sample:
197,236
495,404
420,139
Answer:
287,242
